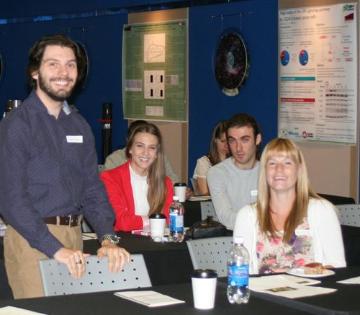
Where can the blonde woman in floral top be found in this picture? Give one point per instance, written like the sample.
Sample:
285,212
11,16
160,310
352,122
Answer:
289,225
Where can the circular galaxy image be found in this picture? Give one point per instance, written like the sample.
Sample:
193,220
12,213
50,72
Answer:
303,57
231,62
284,57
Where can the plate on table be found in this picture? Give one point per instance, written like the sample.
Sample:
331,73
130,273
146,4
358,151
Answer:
301,273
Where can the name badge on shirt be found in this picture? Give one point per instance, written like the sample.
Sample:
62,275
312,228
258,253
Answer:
253,193
74,139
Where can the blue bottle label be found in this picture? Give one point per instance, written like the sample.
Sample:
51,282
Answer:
176,223
238,275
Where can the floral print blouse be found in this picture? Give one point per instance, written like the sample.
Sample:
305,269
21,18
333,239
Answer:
275,256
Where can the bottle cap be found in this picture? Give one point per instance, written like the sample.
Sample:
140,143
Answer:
176,198
238,240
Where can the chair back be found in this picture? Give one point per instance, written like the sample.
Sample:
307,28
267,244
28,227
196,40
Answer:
207,209
210,253
58,281
349,214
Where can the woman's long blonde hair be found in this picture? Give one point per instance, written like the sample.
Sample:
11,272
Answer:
156,175
302,189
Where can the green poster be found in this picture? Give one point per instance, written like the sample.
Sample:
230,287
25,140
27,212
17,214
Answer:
155,71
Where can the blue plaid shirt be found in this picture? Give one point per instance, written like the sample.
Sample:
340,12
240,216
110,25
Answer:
48,167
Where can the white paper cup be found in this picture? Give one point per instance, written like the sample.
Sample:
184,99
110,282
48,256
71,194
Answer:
157,226
180,191
204,288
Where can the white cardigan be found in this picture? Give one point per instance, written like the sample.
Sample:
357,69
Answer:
324,228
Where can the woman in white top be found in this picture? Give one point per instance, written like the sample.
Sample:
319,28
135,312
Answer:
218,152
289,225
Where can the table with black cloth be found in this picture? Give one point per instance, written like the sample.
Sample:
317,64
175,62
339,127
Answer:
166,262
106,303
346,300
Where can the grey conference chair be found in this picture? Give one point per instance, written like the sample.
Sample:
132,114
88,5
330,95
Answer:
349,214
58,281
210,253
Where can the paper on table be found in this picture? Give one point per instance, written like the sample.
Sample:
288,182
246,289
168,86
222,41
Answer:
148,298
287,286
89,236
141,232
355,280
268,282
294,292
199,198
11,310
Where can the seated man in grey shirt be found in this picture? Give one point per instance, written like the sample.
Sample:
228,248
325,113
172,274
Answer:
233,182
118,157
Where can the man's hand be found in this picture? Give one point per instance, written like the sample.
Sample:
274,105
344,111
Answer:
117,256
73,259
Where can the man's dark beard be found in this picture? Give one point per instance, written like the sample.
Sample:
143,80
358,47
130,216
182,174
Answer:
59,97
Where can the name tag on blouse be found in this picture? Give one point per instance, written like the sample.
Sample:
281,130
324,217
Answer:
254,193
74,139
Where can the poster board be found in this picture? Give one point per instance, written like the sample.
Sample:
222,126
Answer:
318,73
155,71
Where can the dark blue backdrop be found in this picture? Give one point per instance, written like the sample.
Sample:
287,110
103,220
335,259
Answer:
98,25
257,22
102,37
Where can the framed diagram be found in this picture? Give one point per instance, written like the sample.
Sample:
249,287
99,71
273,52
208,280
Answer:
155,71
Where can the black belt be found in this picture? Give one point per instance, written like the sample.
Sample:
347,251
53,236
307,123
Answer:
69,220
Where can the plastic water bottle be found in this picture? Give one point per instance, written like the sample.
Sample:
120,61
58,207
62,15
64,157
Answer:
176,220
238,273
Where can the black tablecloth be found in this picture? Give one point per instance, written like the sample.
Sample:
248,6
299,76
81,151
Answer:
166,262
106,303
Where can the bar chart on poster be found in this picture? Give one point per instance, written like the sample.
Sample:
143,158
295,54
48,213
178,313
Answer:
155,71
318,73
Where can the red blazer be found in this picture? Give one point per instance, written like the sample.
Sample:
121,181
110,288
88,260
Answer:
118,186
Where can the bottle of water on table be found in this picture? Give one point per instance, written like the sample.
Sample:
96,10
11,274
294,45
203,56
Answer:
238,273
176,220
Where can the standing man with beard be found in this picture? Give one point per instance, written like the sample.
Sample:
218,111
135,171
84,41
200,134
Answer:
48,174
233,182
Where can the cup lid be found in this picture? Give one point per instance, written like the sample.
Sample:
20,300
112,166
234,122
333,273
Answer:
157,216
204,273
179,184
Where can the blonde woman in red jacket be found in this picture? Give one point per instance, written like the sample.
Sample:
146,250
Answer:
139,187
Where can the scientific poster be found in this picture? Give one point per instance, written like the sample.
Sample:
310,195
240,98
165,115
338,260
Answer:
318,73
155,71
